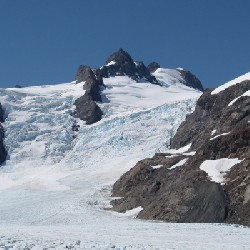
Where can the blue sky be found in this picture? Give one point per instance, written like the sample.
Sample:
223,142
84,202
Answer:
44,41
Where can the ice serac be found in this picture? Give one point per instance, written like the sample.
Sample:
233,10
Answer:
215,132
86,107
120,63
3,152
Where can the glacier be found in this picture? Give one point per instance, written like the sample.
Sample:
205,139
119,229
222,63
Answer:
56,183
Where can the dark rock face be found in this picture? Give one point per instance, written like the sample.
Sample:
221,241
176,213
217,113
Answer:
144,74
85,74
86,108
191,80
208,205
120,63
153,66
182,194
1,114
186,193
3,153
213,113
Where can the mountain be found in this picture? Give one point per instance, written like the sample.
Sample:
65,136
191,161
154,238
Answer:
56,181
207,178
120,64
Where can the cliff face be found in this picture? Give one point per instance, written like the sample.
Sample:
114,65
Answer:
3,152
208,178
86,107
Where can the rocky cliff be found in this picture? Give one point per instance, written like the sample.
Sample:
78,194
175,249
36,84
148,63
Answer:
86,107
3,152
208,178
190,80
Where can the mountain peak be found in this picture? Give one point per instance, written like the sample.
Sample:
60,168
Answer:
120,57
120,63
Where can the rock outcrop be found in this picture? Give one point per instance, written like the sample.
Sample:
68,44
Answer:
92,85
177,190
87,110
86,107
3,153
190,80
153,66
120,63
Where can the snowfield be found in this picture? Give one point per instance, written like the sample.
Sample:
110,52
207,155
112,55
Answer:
56,182
239,79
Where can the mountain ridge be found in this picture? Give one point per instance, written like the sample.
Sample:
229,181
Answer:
119,63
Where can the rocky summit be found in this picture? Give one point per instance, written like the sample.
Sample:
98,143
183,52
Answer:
119,64
208,178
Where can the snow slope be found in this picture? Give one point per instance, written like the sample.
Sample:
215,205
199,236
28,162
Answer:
56,182
239,79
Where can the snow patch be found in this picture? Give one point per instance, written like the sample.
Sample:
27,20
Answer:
213,132
218,136
216,169
170,156
180,163
111,63
133,212
157,166
247,93
231,83
180,150
190,153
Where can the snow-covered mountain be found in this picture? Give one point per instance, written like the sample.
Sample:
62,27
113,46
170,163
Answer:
126,74
60,168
